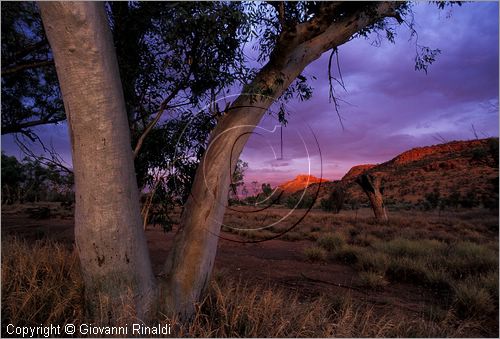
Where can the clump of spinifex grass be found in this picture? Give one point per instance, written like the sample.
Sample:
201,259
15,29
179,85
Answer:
331,241
315,253
464,274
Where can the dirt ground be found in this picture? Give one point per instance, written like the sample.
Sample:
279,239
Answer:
270,263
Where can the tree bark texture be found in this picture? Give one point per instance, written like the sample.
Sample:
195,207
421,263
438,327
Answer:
108,230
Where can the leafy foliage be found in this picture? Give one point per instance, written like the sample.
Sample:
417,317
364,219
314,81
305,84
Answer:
175,53
30,91
432,199
171,154
267,189
173,58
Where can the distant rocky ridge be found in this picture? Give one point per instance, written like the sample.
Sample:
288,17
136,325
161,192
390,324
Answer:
459,168
299,183
356,171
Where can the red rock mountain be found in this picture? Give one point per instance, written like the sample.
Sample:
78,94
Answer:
454,147
299,183
468,169
357,170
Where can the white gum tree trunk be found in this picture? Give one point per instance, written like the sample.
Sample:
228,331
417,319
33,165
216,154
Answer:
108,231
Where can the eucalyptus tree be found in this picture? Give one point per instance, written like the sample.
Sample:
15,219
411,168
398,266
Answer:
110,242
173,57
166,52
292,35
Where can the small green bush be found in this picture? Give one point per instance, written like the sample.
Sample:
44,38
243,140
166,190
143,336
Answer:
438,280
299,202
407,270
370,260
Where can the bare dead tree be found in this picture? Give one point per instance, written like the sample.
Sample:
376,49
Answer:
371,185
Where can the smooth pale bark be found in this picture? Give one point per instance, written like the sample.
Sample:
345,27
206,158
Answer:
108,230
189,265
371,185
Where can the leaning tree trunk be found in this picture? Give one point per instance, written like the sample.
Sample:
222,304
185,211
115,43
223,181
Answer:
371,185
108,231
189,265
190,262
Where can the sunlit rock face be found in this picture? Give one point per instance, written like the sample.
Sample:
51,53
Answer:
300,182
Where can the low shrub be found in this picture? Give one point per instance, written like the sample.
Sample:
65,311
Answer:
407,270
467,258
370,260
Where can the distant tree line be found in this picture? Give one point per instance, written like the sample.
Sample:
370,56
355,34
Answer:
32,181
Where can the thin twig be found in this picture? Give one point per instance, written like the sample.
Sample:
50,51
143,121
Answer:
149,127
332,96
55,159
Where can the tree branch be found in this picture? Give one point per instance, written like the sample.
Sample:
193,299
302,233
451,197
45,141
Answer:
342,30
55,159
27,65
280,8
28,49
18,128
149,127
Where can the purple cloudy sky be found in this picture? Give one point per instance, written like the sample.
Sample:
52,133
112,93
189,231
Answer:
389,106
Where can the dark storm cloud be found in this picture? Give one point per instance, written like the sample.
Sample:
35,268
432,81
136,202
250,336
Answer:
391,107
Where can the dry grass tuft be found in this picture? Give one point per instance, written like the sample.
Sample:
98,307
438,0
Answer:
238,310
315,253
372,280
331,241
41,283
471,300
